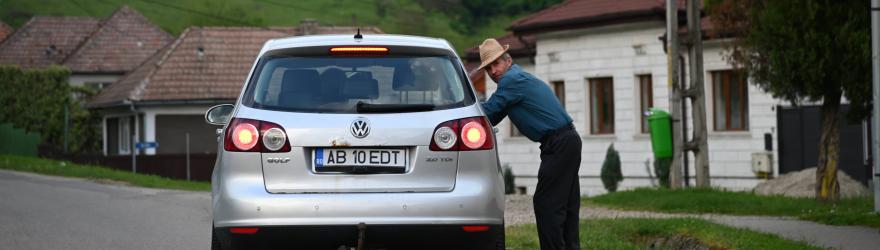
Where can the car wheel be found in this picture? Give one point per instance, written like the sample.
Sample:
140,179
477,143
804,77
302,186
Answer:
216,243
499,242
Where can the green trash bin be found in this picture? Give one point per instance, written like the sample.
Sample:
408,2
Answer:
660,124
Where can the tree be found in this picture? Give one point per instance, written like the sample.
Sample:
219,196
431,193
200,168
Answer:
35,99
611,174
804,50
509,184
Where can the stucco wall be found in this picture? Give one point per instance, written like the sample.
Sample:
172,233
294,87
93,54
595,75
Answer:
622,52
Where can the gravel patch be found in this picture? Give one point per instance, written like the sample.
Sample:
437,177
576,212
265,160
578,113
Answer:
803,184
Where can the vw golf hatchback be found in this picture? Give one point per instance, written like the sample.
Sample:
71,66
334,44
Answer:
364,142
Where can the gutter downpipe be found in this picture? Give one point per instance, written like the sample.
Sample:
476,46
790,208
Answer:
875,68
133,137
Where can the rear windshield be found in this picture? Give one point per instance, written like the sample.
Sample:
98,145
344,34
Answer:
358,84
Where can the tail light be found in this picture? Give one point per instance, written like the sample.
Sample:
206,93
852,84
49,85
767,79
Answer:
473,229
247,135
462,135
244,230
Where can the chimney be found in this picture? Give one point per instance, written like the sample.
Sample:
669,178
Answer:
308,26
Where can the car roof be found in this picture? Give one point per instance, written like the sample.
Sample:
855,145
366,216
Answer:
349,40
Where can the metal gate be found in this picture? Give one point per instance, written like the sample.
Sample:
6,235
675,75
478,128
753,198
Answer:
799,130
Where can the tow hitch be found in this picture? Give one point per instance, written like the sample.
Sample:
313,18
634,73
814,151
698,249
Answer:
362,231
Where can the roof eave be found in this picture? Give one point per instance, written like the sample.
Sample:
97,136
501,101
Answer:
589,22
146,103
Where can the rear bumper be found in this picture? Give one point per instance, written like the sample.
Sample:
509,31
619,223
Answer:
374,237
240,199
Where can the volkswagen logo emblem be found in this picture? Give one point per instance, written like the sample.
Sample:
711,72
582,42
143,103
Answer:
360,128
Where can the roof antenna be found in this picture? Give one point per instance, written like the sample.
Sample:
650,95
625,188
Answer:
358,35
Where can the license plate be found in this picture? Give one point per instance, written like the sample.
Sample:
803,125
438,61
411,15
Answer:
359,159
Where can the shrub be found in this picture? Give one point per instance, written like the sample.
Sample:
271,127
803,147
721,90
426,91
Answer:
661,169
36,101
611,174
509,186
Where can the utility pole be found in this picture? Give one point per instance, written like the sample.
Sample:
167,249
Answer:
875,54
672,62
699,144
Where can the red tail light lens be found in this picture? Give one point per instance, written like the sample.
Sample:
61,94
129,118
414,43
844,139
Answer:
473,135
473,229
244,230
247,135
244,136
462,135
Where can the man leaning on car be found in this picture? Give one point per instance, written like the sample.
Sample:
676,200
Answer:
537,113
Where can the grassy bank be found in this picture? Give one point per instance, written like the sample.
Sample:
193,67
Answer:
634,233
855,211
392,16
61,168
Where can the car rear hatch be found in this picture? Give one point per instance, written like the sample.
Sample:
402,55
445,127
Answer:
359,122
326,157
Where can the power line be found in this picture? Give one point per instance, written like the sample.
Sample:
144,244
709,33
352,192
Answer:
197,12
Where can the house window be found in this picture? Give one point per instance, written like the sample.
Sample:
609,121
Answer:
730,95
601,105
124,135
97,85
559,89
646,98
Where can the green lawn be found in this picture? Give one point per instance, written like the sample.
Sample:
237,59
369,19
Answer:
392,16
856,211
60,168
632,233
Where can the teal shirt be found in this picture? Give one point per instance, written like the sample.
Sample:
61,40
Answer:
529,103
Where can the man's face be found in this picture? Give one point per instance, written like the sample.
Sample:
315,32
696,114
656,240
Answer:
497,68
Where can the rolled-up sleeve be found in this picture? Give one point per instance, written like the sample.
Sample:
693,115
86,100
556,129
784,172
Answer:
508,94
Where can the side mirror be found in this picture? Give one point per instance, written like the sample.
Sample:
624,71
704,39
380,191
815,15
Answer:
220,114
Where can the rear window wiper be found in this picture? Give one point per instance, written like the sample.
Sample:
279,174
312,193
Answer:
363,107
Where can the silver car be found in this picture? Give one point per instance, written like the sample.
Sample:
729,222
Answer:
366,142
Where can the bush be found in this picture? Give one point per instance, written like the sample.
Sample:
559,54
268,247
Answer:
509,186
611,174
661,169
36,100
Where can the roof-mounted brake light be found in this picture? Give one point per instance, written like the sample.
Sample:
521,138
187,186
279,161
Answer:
359,51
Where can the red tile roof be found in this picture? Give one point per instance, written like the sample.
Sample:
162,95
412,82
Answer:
5,31
44,41
121,43
204,64
589,13
519,47
116,44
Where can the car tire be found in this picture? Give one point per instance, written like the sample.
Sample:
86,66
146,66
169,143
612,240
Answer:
500,240
216,242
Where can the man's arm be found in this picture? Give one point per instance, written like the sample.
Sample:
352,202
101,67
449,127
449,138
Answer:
508,93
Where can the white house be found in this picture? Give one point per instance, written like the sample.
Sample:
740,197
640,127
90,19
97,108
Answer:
606,61
164,99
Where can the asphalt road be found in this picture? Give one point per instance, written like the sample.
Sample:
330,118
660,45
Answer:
44,212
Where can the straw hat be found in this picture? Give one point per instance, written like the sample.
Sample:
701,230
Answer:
490,50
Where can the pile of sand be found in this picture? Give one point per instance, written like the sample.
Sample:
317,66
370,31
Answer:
803,184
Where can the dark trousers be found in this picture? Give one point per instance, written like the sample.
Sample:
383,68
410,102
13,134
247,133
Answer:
557,197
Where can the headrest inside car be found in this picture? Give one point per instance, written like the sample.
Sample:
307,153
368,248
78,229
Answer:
419,79
299,80
358,88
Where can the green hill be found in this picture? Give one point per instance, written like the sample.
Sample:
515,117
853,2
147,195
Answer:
414,17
